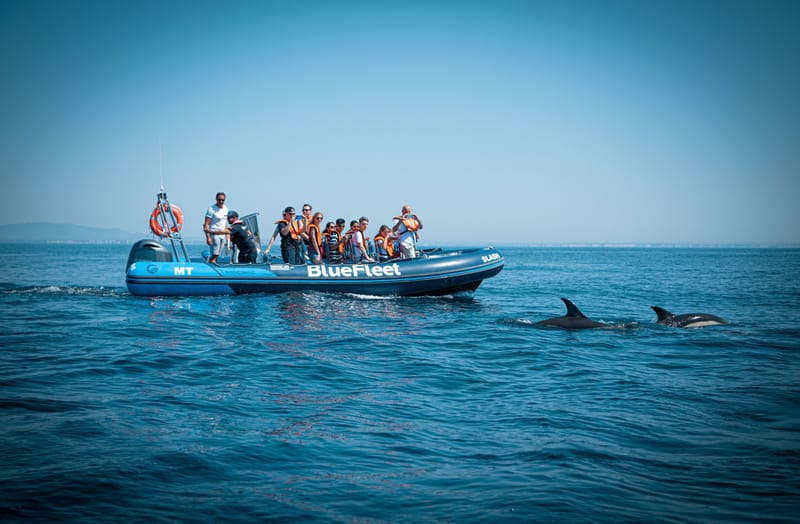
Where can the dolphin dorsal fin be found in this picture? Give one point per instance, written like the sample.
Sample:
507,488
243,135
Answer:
572,309
661,312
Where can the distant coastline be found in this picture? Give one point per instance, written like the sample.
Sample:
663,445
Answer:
63,233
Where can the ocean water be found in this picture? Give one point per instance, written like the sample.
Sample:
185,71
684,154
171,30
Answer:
339,408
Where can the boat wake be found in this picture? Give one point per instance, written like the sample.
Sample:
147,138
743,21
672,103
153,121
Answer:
13,289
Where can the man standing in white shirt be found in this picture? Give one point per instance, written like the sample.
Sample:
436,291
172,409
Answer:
215,227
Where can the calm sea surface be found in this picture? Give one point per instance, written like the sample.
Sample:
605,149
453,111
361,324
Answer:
336,408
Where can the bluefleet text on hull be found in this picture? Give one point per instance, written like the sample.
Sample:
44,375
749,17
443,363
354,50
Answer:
354,271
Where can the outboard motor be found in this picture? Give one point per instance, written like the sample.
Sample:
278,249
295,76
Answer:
148,250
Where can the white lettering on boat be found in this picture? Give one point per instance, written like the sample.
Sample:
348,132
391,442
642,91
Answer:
488,258
183,270
353,271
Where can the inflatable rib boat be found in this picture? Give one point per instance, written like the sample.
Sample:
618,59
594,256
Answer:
165,269
152,271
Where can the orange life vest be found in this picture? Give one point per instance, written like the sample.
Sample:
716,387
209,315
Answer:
313,229
410,221
388,246
294,229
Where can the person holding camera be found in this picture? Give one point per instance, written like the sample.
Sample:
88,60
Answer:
407,227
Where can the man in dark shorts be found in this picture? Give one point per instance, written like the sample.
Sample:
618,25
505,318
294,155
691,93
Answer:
243,239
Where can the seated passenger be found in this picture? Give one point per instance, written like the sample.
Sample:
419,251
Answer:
330,241
384,244
358,243
347,241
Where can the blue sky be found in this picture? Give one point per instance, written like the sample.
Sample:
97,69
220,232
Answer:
502,121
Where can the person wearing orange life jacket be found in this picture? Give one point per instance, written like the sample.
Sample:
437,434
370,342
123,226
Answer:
335,242
328,236
384,244
290,231
304,221
347,241
314,234
359,252
407,228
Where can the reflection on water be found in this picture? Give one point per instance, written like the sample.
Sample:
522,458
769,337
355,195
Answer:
350,315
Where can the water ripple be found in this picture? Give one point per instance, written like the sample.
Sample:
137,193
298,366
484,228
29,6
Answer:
342,408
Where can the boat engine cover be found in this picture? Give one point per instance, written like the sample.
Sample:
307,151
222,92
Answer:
149,250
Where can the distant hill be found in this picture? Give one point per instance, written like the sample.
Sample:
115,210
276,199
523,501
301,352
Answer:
48,232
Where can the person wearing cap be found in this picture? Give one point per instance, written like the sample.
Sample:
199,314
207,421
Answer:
243,239
290,231
214,227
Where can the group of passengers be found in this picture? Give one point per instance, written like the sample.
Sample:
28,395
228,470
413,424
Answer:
304,240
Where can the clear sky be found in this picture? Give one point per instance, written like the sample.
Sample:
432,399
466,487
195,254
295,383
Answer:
498,121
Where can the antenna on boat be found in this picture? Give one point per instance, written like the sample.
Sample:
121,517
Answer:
171,216
161,164
162,195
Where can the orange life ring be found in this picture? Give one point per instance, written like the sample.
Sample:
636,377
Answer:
155,224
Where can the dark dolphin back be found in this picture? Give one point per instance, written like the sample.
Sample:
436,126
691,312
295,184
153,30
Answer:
574,319
686,319
662,313
572,309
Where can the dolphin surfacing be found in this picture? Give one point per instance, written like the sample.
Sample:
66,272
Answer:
686,320
574,319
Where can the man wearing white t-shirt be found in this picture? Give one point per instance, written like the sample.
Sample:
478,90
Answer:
215,227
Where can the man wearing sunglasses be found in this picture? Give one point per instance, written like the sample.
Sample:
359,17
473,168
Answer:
215,227
305,220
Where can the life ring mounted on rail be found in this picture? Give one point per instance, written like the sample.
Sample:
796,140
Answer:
158,223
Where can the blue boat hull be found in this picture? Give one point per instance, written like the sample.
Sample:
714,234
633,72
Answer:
440,273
